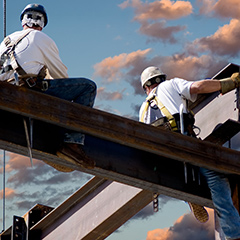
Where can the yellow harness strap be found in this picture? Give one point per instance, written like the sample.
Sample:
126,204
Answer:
162,108
148,99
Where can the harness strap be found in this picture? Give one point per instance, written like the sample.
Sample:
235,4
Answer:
148,99
162,108
19,71
11,51
32,80
7,41
10,43
6,69
168,115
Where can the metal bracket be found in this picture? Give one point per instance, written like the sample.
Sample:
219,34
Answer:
19,229
155,202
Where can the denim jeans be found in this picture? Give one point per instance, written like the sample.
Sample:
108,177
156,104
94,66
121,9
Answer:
78,90
228,215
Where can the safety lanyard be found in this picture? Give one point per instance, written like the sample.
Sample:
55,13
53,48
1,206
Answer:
162,108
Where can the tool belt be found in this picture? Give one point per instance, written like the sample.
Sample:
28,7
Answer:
31,81
188,123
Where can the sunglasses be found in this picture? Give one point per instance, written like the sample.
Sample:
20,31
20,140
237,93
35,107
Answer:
35,16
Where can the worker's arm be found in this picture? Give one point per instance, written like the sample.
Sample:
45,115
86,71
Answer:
224,85
205,86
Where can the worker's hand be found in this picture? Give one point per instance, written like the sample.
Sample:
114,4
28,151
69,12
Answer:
228,84
236,79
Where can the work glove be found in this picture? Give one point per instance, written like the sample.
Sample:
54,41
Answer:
228,84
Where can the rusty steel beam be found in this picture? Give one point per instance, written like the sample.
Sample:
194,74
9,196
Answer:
122,164
117,129
114,161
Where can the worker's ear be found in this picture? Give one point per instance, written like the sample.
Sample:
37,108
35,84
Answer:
39,28
145,88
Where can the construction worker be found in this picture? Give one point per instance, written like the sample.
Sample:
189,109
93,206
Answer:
31,59
169,96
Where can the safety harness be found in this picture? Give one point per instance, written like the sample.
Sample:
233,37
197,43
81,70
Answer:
172,125
20,76
11,45
162,108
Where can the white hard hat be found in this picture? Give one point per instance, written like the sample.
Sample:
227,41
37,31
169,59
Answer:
152,72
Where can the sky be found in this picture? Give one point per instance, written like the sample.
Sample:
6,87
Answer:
112,42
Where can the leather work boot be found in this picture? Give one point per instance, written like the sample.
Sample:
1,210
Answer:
74,153
199,212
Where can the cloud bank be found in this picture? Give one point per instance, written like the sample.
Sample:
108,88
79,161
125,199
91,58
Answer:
186,228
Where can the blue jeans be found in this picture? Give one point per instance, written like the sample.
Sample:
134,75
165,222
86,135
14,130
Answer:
78,90
228,215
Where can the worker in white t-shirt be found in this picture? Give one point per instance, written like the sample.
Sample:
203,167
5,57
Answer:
36,49
164,100
31,58
173,93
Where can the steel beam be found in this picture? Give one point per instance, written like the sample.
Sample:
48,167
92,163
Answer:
117,129
119,163
157,169
93,212
21,225
117,150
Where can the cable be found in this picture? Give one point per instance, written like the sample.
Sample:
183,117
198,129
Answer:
4,154
4,18
4,189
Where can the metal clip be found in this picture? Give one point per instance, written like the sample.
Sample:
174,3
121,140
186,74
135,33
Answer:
44,85
16,78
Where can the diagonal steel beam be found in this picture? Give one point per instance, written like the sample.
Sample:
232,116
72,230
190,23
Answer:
93,212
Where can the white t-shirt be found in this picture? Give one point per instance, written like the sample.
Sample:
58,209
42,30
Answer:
172,93
33,52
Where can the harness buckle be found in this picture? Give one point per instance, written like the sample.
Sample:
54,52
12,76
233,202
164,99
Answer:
31,82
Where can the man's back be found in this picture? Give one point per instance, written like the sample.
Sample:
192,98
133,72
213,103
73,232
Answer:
33,52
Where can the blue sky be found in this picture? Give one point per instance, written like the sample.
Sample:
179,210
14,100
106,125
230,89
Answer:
111,42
